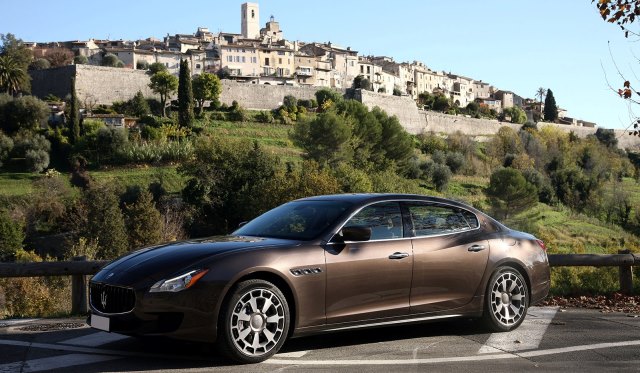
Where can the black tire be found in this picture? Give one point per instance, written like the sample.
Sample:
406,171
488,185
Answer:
506,300
240,324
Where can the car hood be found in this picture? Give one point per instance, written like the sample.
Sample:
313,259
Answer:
155,263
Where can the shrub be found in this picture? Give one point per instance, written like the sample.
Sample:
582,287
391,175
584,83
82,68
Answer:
455,161
264,116
142,65
34,149
80,60
440,176
6,146
327,97
11,236
237,113
352,180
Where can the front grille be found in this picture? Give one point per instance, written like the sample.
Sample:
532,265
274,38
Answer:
111,299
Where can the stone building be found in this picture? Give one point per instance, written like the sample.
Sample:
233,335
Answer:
250,16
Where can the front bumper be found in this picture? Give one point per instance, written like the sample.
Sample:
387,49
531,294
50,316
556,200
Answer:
187,315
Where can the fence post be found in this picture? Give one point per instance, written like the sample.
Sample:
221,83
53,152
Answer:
626,276
79,291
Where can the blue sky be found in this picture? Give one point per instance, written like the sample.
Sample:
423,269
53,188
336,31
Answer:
514,45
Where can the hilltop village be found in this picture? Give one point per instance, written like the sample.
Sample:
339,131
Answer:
264,56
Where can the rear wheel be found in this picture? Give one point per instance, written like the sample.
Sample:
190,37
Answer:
506,301
255,322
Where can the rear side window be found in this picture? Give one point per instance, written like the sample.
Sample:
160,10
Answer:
429,220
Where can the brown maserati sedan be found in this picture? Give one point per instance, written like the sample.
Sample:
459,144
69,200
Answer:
323,264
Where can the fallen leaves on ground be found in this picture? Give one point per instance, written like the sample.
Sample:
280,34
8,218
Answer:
616,302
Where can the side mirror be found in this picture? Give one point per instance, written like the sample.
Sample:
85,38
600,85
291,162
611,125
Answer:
356,233
242,224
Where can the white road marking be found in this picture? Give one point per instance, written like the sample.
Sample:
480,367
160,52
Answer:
95,339
293,354
99,351
526,337
456,359
55,362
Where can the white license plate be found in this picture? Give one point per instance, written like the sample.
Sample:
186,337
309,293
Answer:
100,322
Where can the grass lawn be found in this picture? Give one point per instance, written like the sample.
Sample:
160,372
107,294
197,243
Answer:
274,138
143,176
15,184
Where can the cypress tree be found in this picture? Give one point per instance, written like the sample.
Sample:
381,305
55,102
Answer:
550,108
74,115
185,95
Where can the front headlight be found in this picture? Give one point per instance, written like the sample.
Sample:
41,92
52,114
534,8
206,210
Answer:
179,283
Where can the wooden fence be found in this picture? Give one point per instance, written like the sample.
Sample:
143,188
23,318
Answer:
80,268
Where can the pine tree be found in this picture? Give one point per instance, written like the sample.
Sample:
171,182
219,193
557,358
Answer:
74,120
550,108
144,222
105,222
185,95
139,105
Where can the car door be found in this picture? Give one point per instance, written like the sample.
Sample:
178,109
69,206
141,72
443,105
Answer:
450,256
370,279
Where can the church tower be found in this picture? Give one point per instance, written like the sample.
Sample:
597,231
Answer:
250,21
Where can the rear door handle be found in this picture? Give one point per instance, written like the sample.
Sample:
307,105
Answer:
476,248
398,255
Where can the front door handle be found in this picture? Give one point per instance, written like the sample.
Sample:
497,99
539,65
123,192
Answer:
476,248
398,255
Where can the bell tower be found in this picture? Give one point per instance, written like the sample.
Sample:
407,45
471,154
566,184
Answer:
250,21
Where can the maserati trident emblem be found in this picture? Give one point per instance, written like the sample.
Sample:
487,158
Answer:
110,275
103,300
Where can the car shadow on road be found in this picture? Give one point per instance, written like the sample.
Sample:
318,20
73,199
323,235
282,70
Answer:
459,327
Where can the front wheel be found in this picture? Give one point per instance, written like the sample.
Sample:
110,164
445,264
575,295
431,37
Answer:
506,301
255,322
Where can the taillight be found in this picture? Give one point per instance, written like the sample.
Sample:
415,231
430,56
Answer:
542,245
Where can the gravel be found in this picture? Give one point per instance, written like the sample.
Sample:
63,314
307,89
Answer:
605,303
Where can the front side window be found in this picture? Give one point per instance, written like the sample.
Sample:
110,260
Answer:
431,220
384,219
300,220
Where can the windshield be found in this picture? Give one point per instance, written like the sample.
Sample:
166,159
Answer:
298,220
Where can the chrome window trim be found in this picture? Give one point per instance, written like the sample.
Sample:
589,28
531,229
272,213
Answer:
400,201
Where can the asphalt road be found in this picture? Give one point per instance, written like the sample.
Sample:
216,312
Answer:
548,340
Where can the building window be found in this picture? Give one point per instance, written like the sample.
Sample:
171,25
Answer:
253,14
280,61
266,61
197,66
243,60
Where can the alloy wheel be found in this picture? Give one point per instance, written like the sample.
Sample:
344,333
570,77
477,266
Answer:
257,322
508,298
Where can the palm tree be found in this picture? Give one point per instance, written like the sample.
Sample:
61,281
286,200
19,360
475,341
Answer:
12,75
541,92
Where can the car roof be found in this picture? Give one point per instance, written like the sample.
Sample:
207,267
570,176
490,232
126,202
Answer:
365,198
